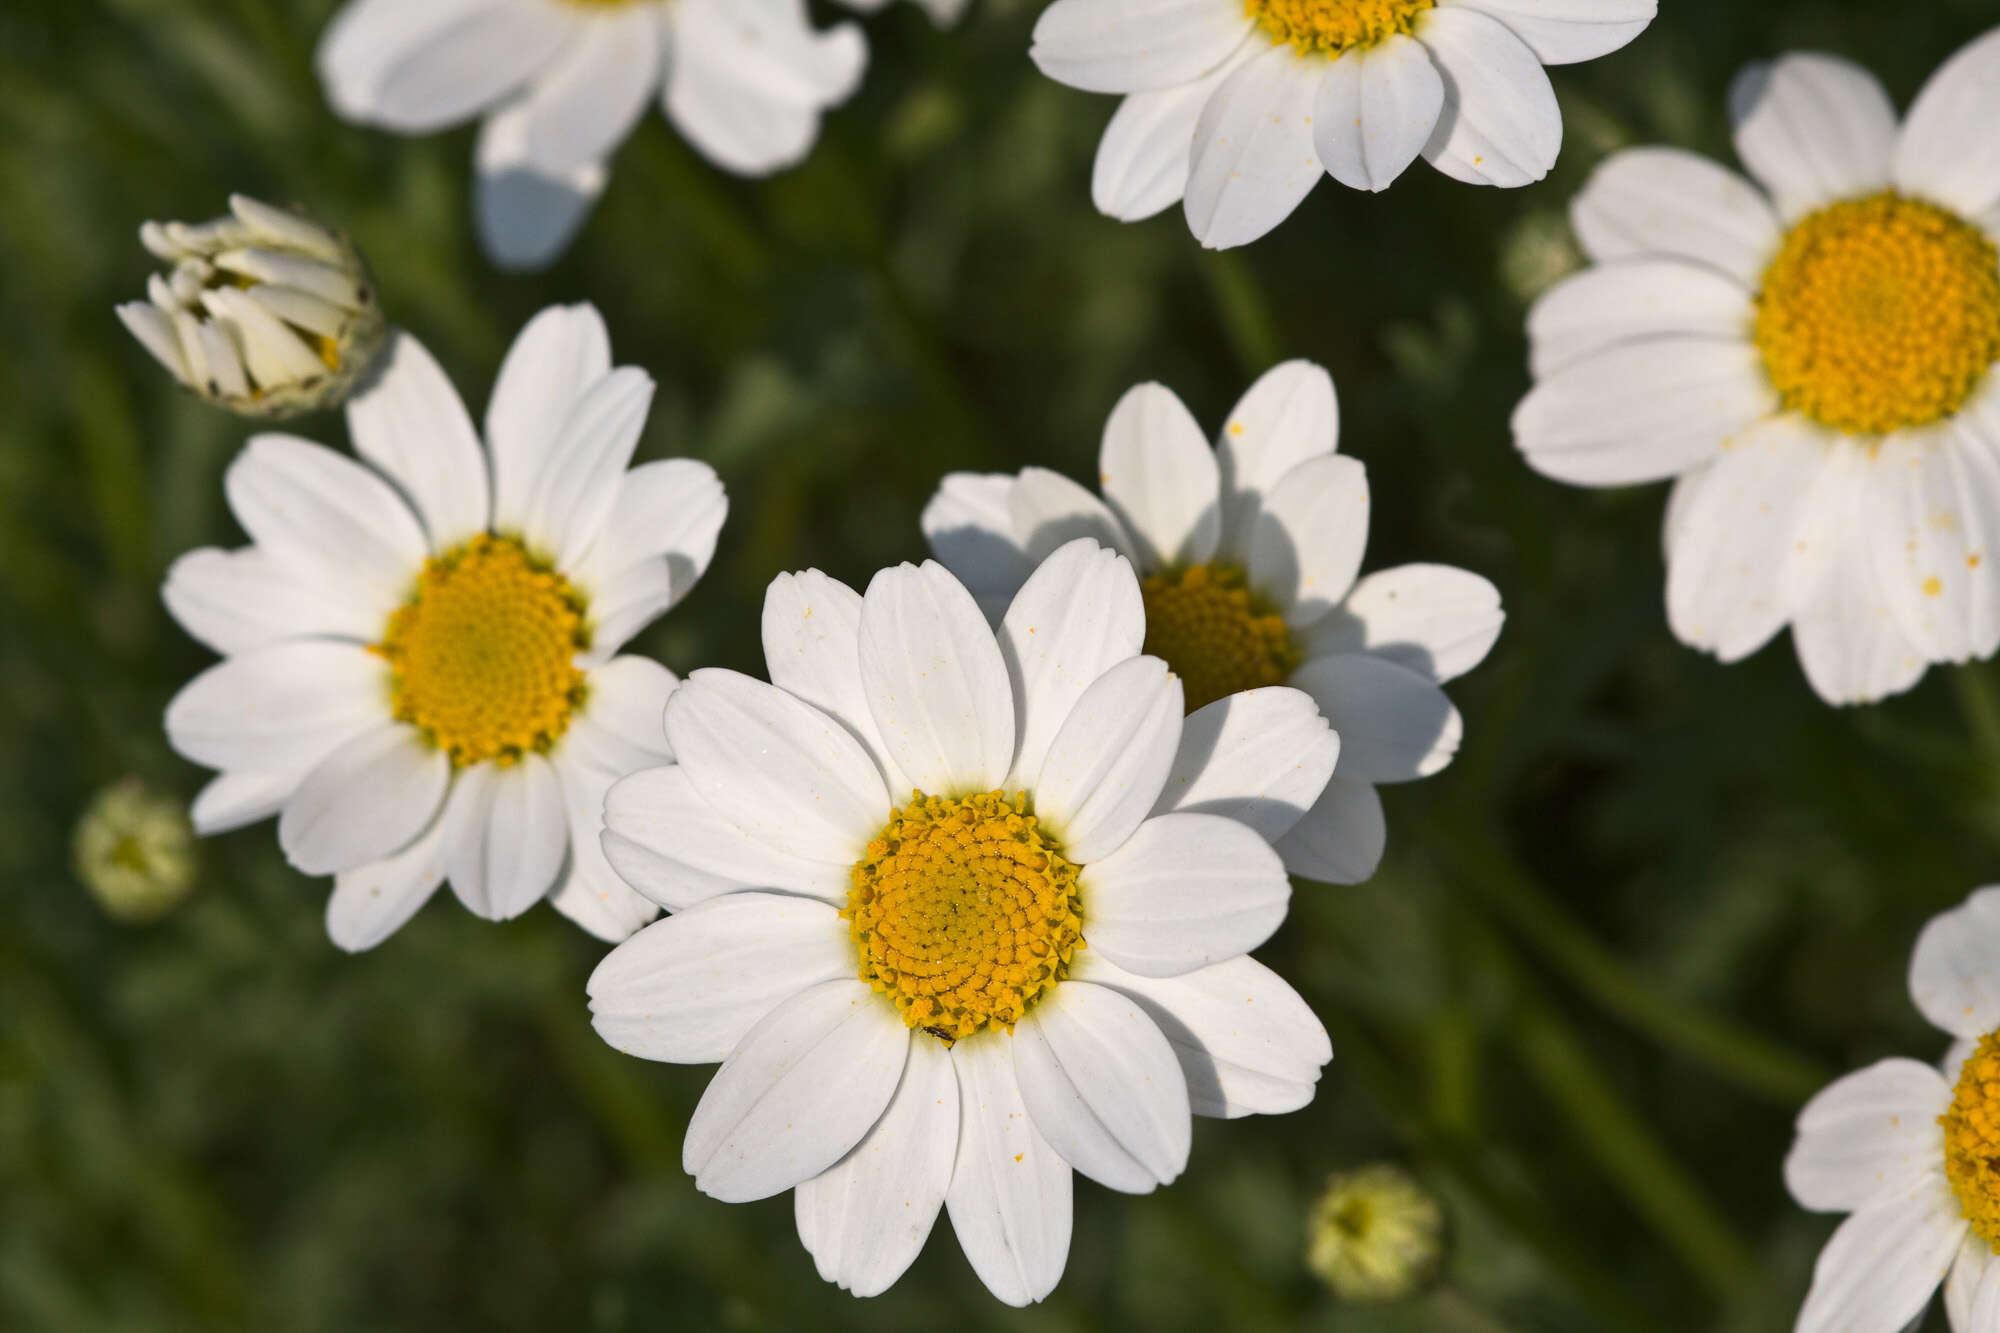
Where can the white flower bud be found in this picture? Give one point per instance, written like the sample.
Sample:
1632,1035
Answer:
264,311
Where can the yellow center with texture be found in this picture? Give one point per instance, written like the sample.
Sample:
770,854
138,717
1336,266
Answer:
1880,314
483,653
964,912
1216,634
1330,27
1972,1141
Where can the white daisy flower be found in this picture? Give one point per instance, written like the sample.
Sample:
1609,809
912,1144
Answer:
1810,356
560,83
421,676
1250,553
1913,1155
951,912
1237,107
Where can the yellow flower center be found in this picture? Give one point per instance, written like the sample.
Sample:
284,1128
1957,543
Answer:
1217,635
483,652
1972,1141
1331,27
964,912
1880,314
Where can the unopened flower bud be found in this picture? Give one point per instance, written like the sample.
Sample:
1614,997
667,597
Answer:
1376,1235
134,851
264,311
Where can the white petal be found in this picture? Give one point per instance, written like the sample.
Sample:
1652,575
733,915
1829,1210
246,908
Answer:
865,1220
1433,619
236,601
527,216
367,38
1563,32
1183,892
409,422
371,903
281,708
1141,167
935,682
1871,1134
776,767
468,65
1934,504
584,105
625,604
1260,757
688,989
365,801
812,649
1047,510
155,332
1124,47
1666,201
1972,1290
621,727
1254,159
1246,1043
1289,415
233,800
672,846
1079,615
328,522
806,1084
1642,411
1309,537
1738,539
970,532
670,510
1883,1263
1813,129
1341,839
1629,300
1110,758
506,837
1104,1088
1395,725
1376,109
1159,476
559,356
1955,968
572,495
591,894
1010,1192
747,79
1500,124
1947,151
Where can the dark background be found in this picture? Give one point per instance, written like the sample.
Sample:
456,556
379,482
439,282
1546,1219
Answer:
1654,905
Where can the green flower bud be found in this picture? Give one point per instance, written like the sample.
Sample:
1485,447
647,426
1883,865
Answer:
1376,1236
134,851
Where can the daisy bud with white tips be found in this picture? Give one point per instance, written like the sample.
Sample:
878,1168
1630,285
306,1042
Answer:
951,916
264,311
134,850
1376,1236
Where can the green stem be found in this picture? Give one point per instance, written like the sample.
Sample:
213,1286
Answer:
1752,1062
1246,315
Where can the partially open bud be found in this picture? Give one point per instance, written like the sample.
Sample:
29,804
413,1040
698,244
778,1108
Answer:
264,312
134,851
1376,1235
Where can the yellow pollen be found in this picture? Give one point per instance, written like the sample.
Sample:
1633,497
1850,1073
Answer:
1217,635
483,652
964,912
1880,314
1331,27
1972,1141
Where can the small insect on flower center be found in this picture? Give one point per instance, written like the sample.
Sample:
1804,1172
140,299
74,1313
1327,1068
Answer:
1880,314
1972,1141
1217,635
1331,27
964,912
483,652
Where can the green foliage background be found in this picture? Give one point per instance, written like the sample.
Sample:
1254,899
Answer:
1652,907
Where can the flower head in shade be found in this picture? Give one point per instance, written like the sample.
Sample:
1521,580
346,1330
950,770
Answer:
1810,357
1912,1154
558,84
421,675
264,312
1236,108
946,917
1376,1235
134,851
1249,554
